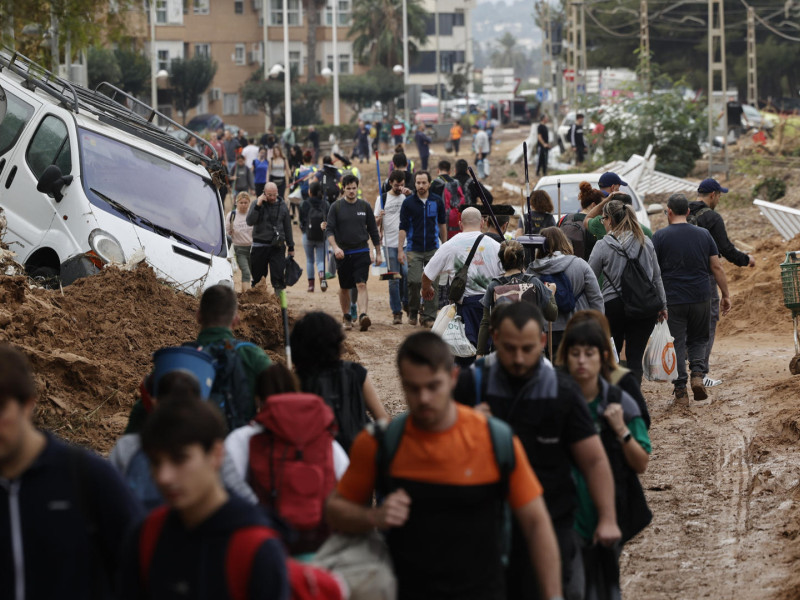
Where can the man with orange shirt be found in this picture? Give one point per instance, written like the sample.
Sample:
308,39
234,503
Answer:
455,136
443,490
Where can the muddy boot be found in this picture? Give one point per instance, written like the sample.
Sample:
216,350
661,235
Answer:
698,388
681,397
323,283
310,285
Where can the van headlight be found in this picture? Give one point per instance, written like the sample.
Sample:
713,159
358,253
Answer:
106,247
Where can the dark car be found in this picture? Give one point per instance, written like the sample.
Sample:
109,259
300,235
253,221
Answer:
203,123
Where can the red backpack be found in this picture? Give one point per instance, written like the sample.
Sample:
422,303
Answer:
453,197
291,464
306,582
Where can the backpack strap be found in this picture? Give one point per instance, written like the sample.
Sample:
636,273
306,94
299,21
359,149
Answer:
148,540
614,394
388,437
503,446
478,376
242,548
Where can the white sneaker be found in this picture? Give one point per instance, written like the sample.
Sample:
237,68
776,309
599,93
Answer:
708,382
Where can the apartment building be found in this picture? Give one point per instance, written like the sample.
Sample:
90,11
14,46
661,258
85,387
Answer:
454,44
231,33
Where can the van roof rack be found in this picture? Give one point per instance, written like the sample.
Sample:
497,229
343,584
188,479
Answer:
103,102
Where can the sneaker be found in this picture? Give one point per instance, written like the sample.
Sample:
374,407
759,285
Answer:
698,389
323,285
708,382
364,322
681,396
347,322
412,319
354,312
397,319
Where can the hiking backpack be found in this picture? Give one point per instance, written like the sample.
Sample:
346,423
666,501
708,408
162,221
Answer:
231,391
342,391
291,464
637,291
453,197
581,239
565,297
514,288
316,216
306,582
692,217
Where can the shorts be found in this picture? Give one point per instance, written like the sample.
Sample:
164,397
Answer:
353,269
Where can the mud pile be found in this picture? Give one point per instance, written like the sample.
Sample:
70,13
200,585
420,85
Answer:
91,344
757,293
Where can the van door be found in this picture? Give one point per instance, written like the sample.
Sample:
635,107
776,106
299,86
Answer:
35,211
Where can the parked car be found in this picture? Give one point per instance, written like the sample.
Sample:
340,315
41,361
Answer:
753,119
202,124
569,195
566,124
426,115
88,182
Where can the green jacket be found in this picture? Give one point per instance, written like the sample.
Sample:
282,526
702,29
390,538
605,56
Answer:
253,358
595,227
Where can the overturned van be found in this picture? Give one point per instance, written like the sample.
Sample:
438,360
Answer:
87,179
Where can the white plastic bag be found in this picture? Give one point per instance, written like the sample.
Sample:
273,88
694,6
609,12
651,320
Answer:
456,338
443,319
659,362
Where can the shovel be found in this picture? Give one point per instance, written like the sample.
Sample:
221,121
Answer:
382,270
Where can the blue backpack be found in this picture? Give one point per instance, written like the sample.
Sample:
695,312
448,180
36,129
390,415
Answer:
565,299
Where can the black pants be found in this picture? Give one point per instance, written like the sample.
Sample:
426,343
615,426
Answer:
634,332
688,324
580,152
456,145
269,260
542,164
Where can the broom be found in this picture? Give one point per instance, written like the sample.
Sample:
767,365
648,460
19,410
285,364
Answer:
388,275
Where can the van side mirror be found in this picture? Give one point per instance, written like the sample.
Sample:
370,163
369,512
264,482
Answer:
52,182
3,104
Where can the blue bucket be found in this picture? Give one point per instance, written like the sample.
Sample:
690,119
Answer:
183,358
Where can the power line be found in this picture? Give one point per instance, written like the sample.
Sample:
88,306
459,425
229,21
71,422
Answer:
770,27
610,31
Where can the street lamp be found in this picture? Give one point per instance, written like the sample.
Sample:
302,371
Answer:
398,69
327,73
405,63
287,85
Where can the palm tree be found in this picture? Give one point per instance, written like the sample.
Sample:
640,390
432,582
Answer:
508,54
377,30
313,9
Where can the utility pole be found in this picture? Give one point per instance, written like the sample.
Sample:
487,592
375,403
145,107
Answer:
547,52
335,8
580,60
265,55
406,111
287,72
644,47
752,76
717,82
438,64
571,35
576,51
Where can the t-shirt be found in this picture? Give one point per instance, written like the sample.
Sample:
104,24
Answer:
452,255
482,142
391,218
595,227
250,153
460,456
683,252
237,227
542,131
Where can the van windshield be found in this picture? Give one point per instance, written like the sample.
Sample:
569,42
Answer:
569,197
167,196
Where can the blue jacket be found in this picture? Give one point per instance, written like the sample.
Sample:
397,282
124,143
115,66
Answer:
420,220
53,504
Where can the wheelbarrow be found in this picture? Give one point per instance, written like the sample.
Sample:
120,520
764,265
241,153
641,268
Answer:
790,278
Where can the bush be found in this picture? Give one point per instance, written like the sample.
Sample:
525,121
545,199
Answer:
773,187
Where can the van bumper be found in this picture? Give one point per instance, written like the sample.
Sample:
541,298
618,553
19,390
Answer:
75,268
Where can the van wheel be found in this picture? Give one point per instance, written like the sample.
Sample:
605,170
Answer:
47,277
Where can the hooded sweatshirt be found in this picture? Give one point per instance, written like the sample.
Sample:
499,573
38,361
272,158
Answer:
605,259
583,281
190,563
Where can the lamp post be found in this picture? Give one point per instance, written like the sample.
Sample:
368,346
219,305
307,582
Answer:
287,73
153,57
405,64
265,57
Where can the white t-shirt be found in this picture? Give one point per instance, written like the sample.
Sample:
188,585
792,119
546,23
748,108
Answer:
237,446
250,153
482,142
391,220
452,255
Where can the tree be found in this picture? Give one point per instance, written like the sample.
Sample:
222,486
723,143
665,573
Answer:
377,30
135,69
189,79
508,54
459,80
102,65
377,85
313,10
306,98
267,93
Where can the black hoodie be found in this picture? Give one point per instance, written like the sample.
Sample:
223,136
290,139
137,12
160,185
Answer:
190,563
711,220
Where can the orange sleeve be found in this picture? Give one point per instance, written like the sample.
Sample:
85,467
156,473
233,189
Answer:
358,482
523,485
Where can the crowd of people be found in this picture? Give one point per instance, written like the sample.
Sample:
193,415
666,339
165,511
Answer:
513,472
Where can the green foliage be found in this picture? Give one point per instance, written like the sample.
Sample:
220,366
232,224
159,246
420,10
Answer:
102,65
459,79
672,125
267,93
135,71
508,54
189,79
377,30
378,84
306,98
773,187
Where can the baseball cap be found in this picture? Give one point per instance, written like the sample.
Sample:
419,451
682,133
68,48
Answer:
710,185
610,178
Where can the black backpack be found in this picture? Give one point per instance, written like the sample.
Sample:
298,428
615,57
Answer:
330,185
343,392
580,237
638,293
316,216
231,391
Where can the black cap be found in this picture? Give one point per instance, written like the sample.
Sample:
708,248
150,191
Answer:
710,185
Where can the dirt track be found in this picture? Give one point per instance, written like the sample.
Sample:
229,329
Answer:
723,481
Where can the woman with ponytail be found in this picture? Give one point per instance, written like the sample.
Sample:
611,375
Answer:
625,241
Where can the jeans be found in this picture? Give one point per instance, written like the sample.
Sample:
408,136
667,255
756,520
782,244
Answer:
634,332
541,165
416,264
712,321
315,250
398,288
688,324
242,254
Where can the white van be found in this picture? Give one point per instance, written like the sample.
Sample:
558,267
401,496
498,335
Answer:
86,181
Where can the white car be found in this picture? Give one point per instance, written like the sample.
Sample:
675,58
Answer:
569,195
88,182
567,123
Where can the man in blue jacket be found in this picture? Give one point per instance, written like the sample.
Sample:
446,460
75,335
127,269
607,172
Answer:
423,226
63,510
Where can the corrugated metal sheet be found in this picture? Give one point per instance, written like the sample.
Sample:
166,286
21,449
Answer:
786,220
649,181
